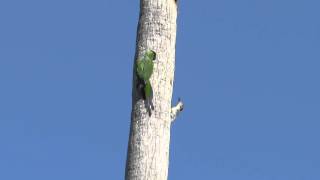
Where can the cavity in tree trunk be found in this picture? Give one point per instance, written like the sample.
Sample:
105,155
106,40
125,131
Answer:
148,148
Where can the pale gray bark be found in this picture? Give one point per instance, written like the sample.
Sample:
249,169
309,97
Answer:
148,148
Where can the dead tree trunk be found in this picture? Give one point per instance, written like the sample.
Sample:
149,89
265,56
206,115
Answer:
148,148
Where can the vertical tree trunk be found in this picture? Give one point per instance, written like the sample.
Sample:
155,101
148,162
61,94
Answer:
148,148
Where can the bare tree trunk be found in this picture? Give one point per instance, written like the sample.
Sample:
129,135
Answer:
148,148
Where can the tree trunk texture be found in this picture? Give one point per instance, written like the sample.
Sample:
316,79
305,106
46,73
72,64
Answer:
148,147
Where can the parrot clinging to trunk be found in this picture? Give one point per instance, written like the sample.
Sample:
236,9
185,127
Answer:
144,71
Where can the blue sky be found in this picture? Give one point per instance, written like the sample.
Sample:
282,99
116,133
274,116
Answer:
248,72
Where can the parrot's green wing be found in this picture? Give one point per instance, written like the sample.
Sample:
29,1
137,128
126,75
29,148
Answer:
140,68
148,69
148,89
145,65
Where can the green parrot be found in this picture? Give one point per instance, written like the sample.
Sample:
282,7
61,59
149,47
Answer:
144,70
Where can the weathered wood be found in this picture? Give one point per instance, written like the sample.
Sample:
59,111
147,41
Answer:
148,148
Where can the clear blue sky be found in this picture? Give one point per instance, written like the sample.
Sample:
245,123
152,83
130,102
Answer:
248,72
